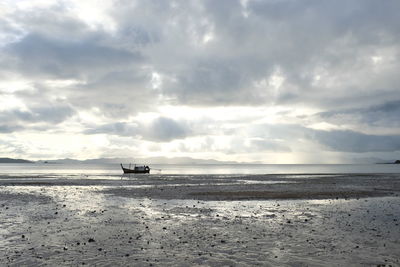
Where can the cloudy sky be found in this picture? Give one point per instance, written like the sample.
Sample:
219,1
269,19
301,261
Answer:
276,81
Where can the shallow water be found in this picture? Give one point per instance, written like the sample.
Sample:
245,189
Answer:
76,170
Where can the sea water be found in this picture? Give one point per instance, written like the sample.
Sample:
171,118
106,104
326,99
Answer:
195,169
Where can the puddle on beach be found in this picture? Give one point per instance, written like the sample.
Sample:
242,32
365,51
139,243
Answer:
73,225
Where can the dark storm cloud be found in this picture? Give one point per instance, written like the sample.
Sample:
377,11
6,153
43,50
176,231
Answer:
165,129
116,94
334,140
161,129
203,84
119,128
16,120
4,128
65,58
386,114
349,141
52,114
42,104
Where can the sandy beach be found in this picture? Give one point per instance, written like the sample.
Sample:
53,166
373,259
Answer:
200,220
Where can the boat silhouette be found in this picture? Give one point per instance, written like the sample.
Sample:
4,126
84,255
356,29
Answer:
136,169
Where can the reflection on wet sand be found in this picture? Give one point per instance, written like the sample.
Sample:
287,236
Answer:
163,222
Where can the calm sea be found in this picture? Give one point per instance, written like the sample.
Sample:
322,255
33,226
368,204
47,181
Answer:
219,169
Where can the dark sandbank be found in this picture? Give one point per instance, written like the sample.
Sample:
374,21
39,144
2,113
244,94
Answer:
267,187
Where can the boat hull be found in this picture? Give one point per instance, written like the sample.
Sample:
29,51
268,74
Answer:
135,171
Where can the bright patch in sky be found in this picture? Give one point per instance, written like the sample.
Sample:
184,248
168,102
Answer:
93,13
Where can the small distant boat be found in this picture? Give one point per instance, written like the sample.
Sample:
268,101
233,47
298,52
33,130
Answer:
136,169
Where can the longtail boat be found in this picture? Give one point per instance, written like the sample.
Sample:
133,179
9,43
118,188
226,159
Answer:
136,169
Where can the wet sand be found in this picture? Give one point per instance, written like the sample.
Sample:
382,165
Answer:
267,220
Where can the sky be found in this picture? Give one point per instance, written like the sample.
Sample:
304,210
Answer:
272,81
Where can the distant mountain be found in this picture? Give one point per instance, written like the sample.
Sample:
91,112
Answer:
10,160
392,162
375,161
62,161
88,161
151,160
182,160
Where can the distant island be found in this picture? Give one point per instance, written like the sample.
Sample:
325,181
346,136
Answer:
10,160
150,160
392,162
